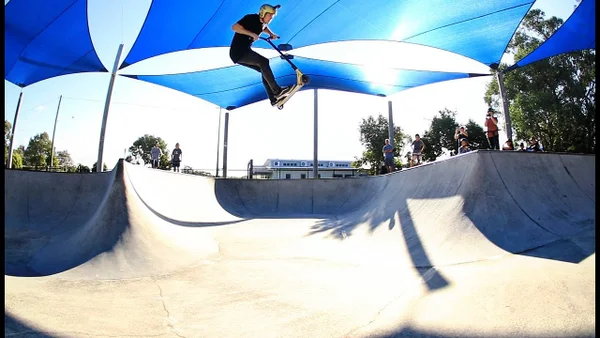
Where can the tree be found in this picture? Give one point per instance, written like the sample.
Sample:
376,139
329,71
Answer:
440,135
552,99
7,132
64,158
142,149
477,136
37,153
17,159
373,133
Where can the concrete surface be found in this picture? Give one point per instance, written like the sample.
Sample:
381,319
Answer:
490,244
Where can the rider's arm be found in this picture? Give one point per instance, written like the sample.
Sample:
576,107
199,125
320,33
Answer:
241,30
270,32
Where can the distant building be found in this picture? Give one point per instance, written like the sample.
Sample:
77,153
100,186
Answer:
299,169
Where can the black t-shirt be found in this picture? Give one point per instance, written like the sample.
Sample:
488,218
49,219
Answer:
177,154
461,136
240,44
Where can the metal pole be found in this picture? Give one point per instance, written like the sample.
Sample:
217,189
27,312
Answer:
250,169
111,84
218,143
316,137
54,133
12,135
225,138
507,124
390,124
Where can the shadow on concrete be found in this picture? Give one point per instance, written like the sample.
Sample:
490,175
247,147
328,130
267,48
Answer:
416,333
15,328
519,224
513,225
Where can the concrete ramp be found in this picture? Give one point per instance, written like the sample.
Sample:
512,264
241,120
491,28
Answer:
470,208
293,198
99,228
485,244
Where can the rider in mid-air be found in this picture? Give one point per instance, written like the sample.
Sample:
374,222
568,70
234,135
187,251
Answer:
247,30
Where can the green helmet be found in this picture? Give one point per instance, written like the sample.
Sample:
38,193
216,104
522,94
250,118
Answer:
266,8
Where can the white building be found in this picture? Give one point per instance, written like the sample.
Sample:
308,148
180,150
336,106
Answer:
299,169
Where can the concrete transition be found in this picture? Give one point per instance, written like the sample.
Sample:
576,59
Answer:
485,244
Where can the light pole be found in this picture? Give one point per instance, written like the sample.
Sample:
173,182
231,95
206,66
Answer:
218,141
54,134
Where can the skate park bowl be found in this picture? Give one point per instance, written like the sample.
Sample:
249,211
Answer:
483,244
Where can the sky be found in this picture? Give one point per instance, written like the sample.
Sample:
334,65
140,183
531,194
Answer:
257,131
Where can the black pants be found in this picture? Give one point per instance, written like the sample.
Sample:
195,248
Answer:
260,64
494,142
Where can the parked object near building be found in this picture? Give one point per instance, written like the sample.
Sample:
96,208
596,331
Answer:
302,169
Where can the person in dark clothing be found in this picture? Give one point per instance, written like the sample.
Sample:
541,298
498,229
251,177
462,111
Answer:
383,170
247,30
176,157
459,134
508,145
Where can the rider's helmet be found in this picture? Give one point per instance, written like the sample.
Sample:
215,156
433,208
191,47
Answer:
266,8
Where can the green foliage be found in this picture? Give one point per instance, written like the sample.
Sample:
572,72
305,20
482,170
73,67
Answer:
17,160
373,132
64,158
477,136
37,153
142,149
552,99
7,133
440,135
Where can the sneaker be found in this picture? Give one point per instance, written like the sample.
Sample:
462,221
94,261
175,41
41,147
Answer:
284,91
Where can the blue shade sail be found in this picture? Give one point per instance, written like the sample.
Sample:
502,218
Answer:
236,86
44,39
577,33
479,29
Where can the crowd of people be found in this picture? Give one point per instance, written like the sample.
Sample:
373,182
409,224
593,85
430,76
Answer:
492,135
461,136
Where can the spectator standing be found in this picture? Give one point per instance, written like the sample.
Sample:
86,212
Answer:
176,157
418,148
461,133
491,123
156,154
388,155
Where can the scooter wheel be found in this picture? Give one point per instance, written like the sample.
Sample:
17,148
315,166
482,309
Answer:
280,107
305,79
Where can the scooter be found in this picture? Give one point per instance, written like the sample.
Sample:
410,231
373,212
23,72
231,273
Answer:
301,79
